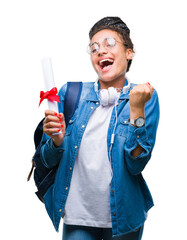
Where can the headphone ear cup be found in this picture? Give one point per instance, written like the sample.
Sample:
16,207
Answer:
104,97
112,95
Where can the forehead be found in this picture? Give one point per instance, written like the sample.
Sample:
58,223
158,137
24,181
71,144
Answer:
99,36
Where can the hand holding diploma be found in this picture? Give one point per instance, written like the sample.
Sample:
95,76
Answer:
54,126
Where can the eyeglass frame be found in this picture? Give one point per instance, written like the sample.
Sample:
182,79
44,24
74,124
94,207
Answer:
108,48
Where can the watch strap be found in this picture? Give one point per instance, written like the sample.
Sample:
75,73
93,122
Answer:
134,121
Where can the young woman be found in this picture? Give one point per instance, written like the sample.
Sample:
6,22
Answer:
99,189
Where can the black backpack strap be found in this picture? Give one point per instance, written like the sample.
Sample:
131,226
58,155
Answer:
71,100
38,133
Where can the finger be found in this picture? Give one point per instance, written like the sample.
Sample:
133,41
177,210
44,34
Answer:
137,89
50,118
53,125
51,131
53,116
149,85
61,118
149,89
133,90
50,112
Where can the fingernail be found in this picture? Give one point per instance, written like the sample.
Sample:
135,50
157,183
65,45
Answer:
55,114
60,120
148,83
61,125
59,115
58,130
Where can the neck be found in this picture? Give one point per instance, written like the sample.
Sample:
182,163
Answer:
118,84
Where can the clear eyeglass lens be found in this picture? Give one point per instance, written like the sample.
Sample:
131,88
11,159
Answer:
94,48
109,42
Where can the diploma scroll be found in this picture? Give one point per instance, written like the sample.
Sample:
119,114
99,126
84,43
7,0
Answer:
49,83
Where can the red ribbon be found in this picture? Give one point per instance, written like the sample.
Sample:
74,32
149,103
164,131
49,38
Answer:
50,95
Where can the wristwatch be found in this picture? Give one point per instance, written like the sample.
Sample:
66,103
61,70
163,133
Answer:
138,122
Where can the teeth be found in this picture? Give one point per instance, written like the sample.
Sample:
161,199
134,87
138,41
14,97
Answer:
107,59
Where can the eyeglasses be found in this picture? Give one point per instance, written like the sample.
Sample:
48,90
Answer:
108,43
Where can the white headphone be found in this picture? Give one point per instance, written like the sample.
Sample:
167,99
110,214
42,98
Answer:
110,95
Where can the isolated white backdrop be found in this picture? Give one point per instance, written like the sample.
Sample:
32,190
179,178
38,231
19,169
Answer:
34,29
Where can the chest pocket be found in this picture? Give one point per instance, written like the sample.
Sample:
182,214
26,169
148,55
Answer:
122,129
70,126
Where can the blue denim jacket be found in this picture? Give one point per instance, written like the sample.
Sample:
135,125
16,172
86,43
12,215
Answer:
130,198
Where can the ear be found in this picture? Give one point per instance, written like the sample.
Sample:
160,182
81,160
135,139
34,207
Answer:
129,54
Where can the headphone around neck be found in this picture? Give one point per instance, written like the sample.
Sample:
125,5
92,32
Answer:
110,96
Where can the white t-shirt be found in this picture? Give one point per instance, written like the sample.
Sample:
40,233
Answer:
88,202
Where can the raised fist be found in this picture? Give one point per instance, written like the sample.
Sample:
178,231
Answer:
140,94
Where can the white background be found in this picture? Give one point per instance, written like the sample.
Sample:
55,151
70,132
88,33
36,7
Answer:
33,29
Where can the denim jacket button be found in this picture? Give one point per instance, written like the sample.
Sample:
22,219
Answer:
91,107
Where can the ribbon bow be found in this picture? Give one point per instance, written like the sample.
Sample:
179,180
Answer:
50,95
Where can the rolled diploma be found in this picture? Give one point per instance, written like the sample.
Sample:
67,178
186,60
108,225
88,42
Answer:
49,83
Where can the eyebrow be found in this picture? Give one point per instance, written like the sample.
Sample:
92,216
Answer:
93,43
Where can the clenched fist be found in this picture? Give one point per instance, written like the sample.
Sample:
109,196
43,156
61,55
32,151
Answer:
138,97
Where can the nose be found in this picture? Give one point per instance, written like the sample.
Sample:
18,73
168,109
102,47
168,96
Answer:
102,50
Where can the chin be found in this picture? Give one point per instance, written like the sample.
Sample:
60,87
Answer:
106,77
111,79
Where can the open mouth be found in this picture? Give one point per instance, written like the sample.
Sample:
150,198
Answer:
105,64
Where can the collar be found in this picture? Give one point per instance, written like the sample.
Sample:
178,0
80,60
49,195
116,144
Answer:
92,95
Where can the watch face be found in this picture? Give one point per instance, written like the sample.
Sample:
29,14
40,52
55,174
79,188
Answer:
140,122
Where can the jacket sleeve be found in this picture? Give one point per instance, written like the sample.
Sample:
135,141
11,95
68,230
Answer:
144,136
49,154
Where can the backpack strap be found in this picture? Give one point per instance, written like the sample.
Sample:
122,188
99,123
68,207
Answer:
38,133
71,100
